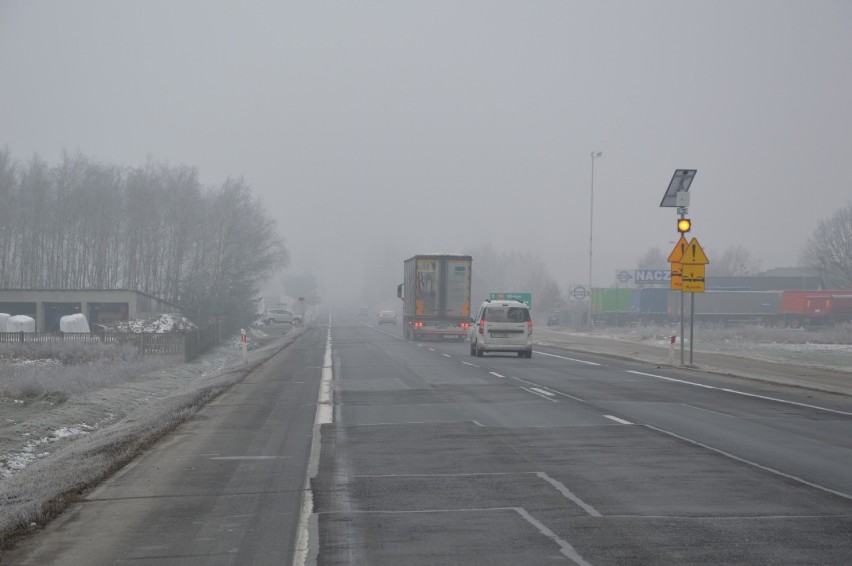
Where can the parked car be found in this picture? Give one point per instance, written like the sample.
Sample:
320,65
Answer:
278,316
501,326
387,317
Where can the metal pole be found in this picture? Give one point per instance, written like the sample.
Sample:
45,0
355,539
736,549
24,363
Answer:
681,327
691,323
591,225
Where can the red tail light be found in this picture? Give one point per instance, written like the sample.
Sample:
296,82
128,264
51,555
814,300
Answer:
464,325
418,323
529,326
482,326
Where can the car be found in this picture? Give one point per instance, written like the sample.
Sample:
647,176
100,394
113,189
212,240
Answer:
501,326
387,317
278,316
363,311
553,319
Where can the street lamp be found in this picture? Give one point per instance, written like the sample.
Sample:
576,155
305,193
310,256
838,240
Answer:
591,226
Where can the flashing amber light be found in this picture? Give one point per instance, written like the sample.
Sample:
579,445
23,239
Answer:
684,225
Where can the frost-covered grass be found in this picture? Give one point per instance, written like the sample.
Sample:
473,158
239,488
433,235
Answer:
30,499
100,413
31,370
753,334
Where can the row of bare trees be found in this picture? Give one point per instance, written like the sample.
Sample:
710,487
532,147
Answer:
81,224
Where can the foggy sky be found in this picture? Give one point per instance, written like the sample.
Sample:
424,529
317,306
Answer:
438,126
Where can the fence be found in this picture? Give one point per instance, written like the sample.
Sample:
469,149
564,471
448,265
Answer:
189,344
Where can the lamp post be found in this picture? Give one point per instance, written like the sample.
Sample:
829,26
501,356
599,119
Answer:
591,232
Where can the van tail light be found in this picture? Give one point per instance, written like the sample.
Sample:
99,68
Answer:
529,326
482,326
464,325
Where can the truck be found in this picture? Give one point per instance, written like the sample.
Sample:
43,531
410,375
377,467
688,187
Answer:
435,295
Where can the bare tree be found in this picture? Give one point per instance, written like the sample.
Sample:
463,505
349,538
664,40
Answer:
829,249
652,259
735,261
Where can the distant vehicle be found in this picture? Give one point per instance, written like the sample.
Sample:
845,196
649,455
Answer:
387,317
435,295
502,326
297,321
553,319
363,311
278,316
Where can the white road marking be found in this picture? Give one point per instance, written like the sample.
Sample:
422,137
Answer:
324,415
470,364
556,392
249,457
495,374
567,493
566,358
446,355
616,419
755,464
726,390
539,394
564,546
542,391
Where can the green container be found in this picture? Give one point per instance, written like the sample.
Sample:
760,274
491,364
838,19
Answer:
611,300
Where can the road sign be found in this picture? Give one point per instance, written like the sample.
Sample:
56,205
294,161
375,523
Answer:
645,276
694,254
693,278
623,275
579,293
677,276
523,297
677,251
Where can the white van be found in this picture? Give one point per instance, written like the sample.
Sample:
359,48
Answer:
501,326
278,316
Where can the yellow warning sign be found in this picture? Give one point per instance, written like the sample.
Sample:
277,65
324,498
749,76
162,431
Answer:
677,276
693,278
694,254
678,250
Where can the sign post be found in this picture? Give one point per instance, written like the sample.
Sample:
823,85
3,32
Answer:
694,259
244,344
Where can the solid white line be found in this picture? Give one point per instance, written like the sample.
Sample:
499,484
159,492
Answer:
726,390
324,415
616,419
495,374
755,464
566,358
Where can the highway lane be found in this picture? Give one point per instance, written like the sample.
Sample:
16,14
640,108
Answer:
439,457
433,456
224,488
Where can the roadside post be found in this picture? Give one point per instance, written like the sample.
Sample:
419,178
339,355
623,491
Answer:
677,196
244,344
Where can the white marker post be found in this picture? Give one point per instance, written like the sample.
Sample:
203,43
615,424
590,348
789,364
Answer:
244,344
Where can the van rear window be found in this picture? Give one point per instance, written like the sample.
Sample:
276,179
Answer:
506,314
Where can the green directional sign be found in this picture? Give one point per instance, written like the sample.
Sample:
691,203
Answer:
523,297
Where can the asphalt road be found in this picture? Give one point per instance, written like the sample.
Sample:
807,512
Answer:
437,457
432,456
225,488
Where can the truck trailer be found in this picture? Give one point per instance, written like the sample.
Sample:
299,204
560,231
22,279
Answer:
435,295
